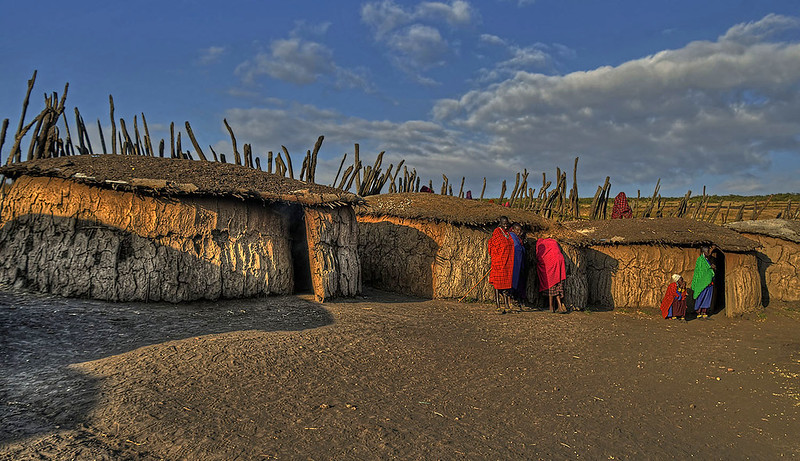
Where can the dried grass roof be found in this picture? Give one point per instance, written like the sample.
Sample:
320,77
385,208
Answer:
165,176
454,210
664,231
777,228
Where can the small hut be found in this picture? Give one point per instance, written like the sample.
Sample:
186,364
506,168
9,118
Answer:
435,246
629,261
136,228
778,257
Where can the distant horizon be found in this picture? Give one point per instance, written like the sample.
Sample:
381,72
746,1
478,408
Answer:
695,94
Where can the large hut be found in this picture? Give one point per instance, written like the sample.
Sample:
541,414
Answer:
778,256
435,246
630,261
135,228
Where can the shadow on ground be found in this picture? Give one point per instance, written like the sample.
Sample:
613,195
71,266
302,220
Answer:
41,336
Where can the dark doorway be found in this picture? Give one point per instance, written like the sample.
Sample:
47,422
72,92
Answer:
299,242
718,298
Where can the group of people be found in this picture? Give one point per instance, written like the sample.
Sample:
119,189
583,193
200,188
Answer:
507,270
675,302
507,275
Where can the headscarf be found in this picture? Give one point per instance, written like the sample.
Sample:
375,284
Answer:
621,208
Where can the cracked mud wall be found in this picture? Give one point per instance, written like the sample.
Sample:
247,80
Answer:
76,240
779,266
638,275
333,252
742,283
440,260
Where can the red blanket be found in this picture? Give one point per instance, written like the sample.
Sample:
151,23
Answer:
549,263
501,251
621,208
669,296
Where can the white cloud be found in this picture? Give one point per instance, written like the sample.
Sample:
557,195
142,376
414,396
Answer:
762,29
536,57
457,13
293,60
492,39
419,45
211,55
302,62
426,146
708,108
413,35
706,113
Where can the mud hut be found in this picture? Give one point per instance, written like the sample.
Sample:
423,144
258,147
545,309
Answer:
136,228
629,261
778,256
435,246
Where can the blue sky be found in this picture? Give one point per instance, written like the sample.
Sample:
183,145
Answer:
695,93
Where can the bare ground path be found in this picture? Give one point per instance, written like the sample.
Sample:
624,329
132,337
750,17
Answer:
387,376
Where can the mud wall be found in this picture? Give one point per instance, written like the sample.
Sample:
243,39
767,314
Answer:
439,260
75,240
742,283
779,266
333,252
638,275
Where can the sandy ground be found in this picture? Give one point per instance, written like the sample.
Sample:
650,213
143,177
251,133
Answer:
386,376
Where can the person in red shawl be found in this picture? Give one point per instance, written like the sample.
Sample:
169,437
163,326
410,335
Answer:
621,208
673,306
551,268
501,253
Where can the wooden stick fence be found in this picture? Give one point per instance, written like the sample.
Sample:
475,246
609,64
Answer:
50,137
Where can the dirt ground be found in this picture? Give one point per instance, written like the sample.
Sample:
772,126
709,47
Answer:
386,376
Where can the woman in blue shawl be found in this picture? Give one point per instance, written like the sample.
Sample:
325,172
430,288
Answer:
703,282
517,280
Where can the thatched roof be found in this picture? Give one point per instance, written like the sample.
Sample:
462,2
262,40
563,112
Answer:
165,176
662,231
777,228
453,210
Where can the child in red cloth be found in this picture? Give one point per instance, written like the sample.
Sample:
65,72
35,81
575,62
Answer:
673,306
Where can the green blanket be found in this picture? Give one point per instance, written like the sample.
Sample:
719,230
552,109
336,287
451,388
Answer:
703,275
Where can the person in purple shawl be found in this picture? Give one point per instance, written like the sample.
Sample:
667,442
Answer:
517,278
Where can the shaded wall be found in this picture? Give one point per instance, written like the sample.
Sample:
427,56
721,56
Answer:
333,252
779,266
72,239
742,283
440,260
638,275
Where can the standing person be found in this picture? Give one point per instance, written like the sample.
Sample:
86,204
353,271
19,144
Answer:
621,208
552,272
501,253
517,279
673,306
703,282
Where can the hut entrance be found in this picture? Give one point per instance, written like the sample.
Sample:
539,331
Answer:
299,242
718,299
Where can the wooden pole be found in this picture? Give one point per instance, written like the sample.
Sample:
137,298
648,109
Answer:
314,154
344,157
3,139
194,142
102,138
171,139
148,144
113,125
237,157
